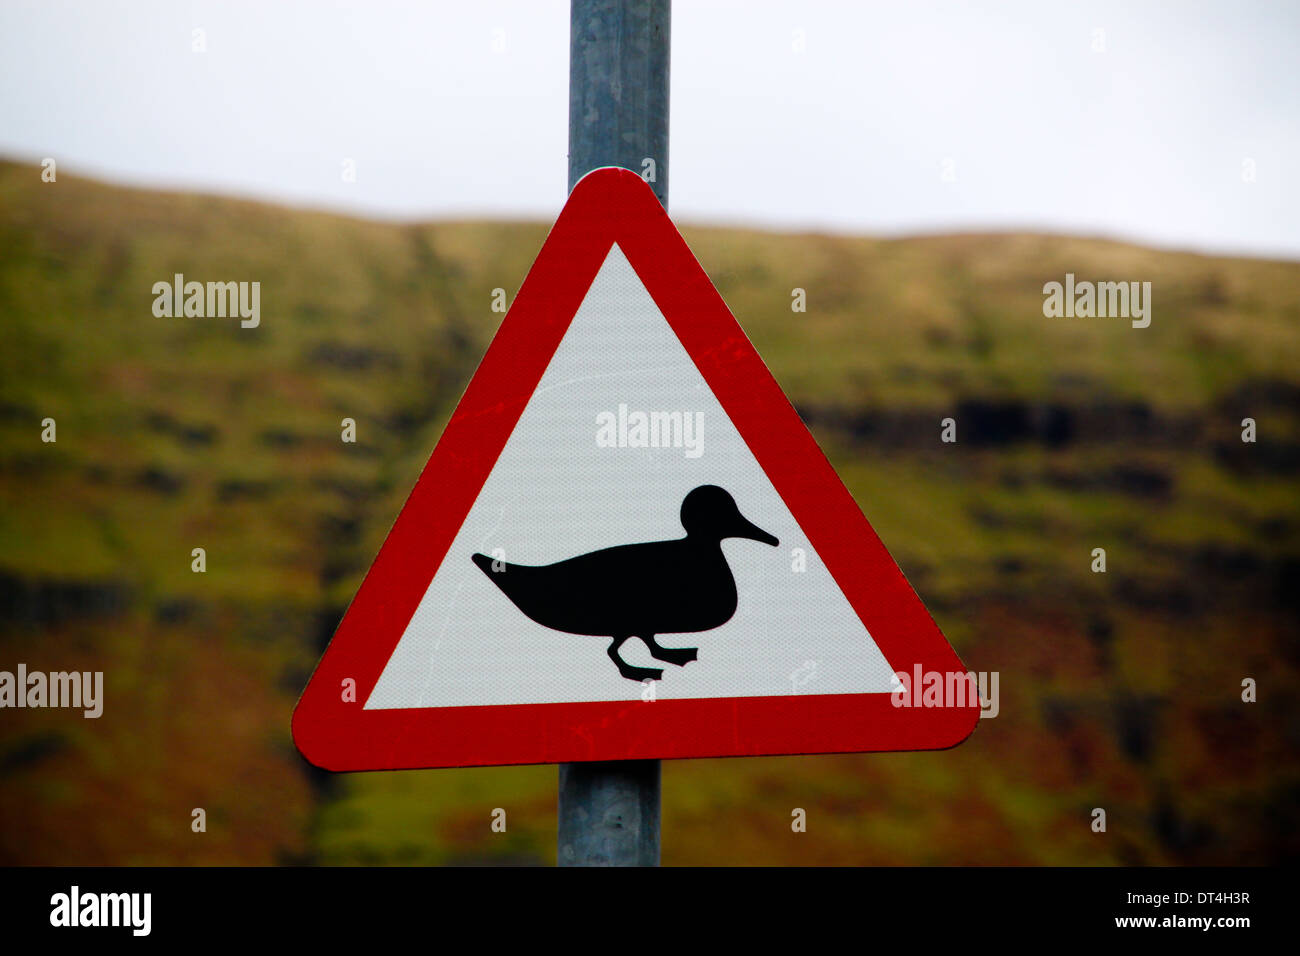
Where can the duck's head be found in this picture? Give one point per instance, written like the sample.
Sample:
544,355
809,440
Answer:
710,513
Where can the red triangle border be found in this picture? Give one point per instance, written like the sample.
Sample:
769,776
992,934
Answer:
615,206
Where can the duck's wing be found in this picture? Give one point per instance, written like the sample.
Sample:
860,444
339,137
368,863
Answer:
623,569
600,592
660,587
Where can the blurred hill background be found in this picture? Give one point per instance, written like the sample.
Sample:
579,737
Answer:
1118,690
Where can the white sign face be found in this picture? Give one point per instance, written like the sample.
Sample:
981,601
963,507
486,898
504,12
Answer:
621,428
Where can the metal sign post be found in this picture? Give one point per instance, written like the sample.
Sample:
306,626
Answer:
618,116
618,89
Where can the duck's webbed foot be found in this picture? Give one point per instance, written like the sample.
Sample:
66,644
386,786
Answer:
629,671
681,656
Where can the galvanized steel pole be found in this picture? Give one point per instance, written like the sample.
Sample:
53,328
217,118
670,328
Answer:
618,88
618,116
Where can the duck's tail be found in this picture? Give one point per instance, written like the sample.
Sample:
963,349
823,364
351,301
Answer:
484,563
495,568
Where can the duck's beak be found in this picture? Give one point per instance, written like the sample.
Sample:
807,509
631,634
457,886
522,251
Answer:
747,529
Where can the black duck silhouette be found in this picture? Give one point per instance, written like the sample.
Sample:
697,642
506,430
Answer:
679,586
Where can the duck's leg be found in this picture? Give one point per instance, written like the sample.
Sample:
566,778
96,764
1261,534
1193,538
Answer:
637,674
681,656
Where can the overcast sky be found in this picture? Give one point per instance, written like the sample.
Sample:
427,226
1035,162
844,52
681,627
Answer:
1172,123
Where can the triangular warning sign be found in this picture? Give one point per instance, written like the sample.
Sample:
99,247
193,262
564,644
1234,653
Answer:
627,545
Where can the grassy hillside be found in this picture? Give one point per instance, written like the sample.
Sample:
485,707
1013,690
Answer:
1119,690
